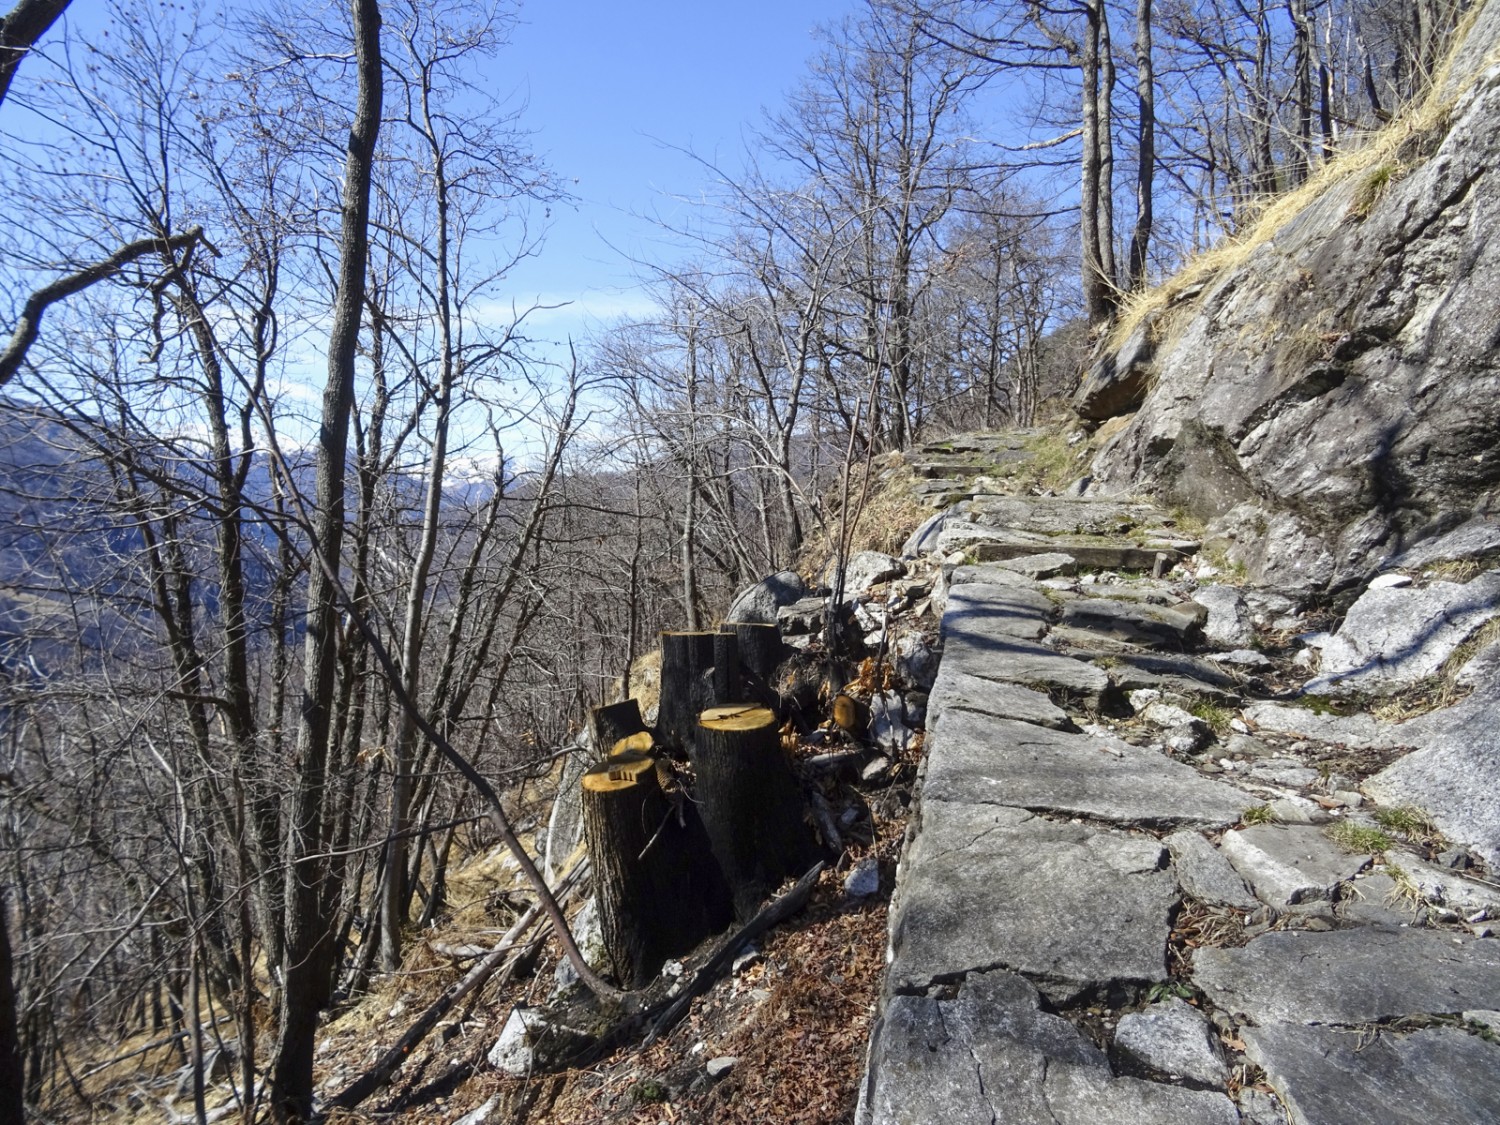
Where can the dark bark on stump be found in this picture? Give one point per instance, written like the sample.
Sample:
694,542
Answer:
685,658
657,889
614,721
761,652
724,677
752,805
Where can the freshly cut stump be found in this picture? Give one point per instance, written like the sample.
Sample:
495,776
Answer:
656,887
638,743
752,805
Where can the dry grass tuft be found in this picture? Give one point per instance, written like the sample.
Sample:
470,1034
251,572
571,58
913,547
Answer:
889,515
1379,160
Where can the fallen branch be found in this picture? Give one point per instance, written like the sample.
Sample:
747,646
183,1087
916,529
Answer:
388,1063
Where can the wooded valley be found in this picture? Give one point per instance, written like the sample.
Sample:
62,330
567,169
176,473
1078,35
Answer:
312,546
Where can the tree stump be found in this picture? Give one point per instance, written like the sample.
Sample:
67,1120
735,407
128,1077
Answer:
656,886
638,743
686,662
751,802
614,721
761,652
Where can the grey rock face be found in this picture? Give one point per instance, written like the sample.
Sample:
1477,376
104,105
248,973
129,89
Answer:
1205,874
924,540
1228,621
758,604
1333,1076
1173,1038
1351,976
980,759
806,615
1305,363
1291,864
1394,636
999,888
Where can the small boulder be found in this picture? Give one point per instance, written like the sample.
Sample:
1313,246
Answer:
758,604
1228,621
863,880
863,570
1172,1038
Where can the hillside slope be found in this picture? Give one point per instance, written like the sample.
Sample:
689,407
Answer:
1331,396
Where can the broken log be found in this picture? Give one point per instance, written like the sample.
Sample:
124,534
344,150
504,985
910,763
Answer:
656,888
752,805
772,915
508,952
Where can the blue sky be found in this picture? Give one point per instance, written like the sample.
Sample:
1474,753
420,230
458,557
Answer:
615,90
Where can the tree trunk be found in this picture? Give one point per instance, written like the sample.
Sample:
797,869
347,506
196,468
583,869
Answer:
1140,238
12,1064
1098,300
752,805
657,891
311,892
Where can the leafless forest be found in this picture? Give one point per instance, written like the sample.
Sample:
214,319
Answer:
301,536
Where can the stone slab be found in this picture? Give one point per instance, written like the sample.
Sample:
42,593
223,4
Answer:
1348,730
992,574
1454,775
1446,888
964,692
1334,1076
1175,1039
1057,515
969,648
1290,864
1050,564
1134,670
1359,975
988,887
1135,622
983,609
986,760
1204,873
990,1055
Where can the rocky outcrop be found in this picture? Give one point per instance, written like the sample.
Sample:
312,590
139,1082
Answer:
1331,401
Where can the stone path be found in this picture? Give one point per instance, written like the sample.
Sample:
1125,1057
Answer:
1085,928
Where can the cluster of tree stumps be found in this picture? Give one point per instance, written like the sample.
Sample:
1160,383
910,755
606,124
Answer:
697,821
